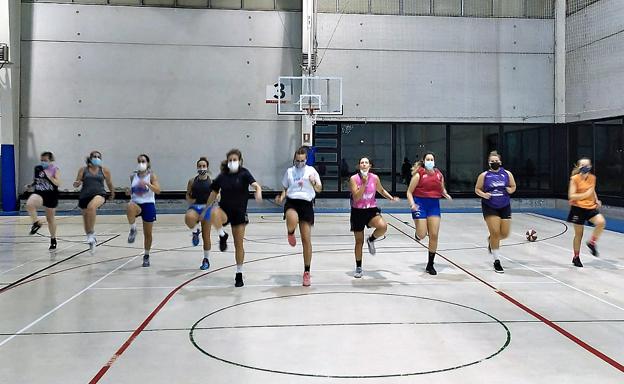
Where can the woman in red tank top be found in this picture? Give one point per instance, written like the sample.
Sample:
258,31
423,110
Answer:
423,194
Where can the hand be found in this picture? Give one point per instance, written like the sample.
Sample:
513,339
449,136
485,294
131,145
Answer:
258,196
279,199
312,180
28,187
128,191
599,203
487,195
77,183
112,195
447,196
414,207
395,199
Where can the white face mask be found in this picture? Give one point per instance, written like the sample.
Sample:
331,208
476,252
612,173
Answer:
142,167
233,165
429,164
364,173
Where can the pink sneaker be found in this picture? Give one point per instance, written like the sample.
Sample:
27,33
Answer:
292,240
306,279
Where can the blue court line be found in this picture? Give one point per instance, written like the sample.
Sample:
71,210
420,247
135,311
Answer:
615,225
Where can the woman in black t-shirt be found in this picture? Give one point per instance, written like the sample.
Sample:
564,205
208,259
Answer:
233,184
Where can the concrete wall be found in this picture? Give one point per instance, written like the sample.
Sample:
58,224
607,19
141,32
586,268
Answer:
594,61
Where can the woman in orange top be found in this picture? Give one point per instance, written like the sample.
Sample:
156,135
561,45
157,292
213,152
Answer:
584,206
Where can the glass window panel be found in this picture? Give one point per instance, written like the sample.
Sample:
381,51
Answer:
417,7
289,5
609,155
509,8
447,7
385,7
373,141
259,4
327,6
325,143
329,185
470,145
125,2
90,1
353,6
478,8
540,9
527,156
327,157
159,2
225,4
412,141
581,141
326,129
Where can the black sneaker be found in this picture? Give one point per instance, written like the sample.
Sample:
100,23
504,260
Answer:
35,227
52,244
577,262
238,280
430,270
223,244
592,248
146,262
498,267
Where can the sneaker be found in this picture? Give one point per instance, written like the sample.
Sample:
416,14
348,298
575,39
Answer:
431,270
577,262
92,241
52,244
306,279
35,227
205,264
292,240
371,246
498,267
358,272
223,245
132,235
590,245
195,239
146,262
238,280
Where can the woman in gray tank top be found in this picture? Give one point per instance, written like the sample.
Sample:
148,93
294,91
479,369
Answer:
93,194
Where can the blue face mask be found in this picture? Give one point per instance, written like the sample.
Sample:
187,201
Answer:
45,164
429,164
96,161
585,169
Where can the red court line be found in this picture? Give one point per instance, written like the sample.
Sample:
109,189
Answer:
528,310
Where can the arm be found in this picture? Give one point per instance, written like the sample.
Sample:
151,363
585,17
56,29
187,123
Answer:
596,198
56,180
154,184
479,187
512,183
109,182
410,191
79,176
572,195
189,198
258,193
385,193
279,198
315,179
444,192
356,192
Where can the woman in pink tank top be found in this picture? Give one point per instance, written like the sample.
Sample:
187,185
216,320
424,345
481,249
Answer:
364,210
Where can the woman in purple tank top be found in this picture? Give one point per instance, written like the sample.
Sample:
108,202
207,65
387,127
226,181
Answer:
494,187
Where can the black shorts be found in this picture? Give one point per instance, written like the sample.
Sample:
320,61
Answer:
580,215
83,202
360,217
235,216
504,213
304,209
50,198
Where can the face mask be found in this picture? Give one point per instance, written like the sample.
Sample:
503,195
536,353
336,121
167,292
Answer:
364,173
45,164
495,165
585,169
141,167
429,164
233,166
202,171
96,161
300,164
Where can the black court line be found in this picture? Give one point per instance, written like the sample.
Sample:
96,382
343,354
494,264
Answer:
17,282
186,329
525,308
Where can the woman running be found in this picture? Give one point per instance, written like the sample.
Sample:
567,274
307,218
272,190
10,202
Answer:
494,187
45,193
364,210
93,194
233,184
584,206
423,194
197,193
301,184
143,185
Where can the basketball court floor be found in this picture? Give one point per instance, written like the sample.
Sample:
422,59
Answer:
73,317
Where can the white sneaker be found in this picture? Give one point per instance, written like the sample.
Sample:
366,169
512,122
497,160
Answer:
371,246
358,272
92,241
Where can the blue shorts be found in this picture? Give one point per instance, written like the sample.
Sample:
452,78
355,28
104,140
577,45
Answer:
199,208
426,207
148,212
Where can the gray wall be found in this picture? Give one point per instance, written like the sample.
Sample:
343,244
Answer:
444,69
595,61
180,83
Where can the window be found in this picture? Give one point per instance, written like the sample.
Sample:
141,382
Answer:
608,161
367,140
412,141
527,156
470,145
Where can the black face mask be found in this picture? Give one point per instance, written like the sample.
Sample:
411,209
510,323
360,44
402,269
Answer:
495,166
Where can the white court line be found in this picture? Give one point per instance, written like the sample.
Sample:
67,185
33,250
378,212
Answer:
360,283
65,302
39,258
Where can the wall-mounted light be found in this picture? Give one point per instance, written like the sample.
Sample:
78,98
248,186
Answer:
4,53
